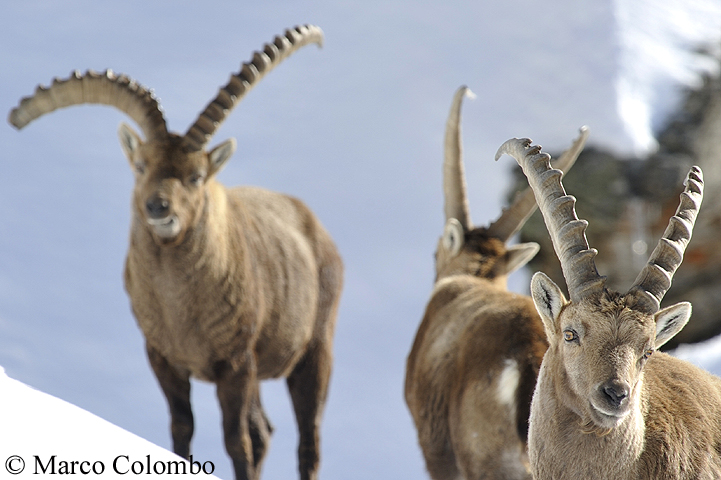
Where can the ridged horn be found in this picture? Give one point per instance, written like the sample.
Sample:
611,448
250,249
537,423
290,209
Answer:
200,133
655,279
454,177
524,204
568,233
107,88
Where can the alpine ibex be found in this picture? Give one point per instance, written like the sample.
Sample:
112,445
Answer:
606,404
230,286
473,365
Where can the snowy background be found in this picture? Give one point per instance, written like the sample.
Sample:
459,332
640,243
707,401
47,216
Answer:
355,129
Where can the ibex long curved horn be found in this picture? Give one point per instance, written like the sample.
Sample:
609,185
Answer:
107,88
199,134
559,213
454,177
655,279
524,204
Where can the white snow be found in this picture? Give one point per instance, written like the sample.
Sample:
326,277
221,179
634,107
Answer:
659,43
42,435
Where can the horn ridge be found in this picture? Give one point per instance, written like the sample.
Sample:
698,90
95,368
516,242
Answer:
262,62
524,204
568,232
107,88
655,278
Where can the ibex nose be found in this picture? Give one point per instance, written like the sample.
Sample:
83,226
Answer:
157,207
615,392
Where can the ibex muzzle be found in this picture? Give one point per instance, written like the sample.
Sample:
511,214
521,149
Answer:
158,208
615,394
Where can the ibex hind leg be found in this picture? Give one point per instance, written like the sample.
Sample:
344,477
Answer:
308,387
442,465
484,430
435,441
308,382
176,387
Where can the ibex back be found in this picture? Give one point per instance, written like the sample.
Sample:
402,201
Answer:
231,286
607,405
473,364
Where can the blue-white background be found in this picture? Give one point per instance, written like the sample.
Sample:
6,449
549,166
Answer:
355,129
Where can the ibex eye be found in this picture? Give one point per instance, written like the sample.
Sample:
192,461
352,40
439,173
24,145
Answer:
570,335
647,354
140,167
196,178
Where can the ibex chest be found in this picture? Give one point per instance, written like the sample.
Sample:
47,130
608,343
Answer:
199,308
195,318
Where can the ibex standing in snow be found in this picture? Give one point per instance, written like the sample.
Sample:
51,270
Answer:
231,286
473,365
607,405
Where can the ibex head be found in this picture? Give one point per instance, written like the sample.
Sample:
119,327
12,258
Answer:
482,251
170,181
171,171
600,340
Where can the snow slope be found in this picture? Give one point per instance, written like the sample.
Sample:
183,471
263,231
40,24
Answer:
42,435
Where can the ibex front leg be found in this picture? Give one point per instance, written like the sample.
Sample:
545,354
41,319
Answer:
237,390
260,430
176,387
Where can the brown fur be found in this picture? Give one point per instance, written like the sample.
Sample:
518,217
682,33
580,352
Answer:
472,330
673,426
247,290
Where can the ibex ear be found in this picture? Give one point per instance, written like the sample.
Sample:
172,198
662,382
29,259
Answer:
549,301
219,155
670,321
129,140
519,255
453,236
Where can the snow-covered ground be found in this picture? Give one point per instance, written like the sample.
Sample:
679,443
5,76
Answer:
41,435
355,129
